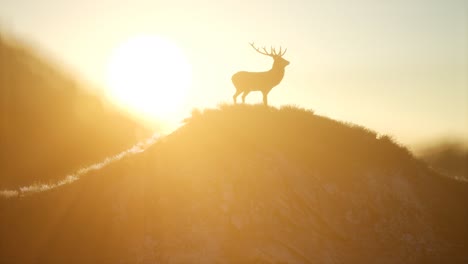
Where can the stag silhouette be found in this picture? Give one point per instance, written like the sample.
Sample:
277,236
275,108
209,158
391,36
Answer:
246,82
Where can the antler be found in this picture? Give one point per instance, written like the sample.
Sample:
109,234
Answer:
271,53
264,52
280,53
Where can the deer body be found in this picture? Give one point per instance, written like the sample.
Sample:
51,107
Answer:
246,82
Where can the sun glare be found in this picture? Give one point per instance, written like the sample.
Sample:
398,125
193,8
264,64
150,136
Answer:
149,76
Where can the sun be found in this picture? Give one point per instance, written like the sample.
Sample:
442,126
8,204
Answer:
149,76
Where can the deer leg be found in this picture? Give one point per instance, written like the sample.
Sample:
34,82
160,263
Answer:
265,98
234,97
244,95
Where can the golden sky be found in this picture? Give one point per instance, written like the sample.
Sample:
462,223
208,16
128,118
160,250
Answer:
397,67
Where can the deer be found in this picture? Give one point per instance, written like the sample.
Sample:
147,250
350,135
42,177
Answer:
246,82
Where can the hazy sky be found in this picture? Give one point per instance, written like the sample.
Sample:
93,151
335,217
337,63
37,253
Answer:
397,67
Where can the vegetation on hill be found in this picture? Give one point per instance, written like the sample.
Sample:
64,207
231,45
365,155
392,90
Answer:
248,184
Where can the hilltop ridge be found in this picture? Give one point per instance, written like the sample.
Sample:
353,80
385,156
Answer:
248,184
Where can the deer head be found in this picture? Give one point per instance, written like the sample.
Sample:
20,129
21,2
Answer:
278,59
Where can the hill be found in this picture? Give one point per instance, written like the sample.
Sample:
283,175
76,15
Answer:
248,184
50,125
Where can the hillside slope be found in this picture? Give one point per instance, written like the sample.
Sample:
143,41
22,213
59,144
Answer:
49,124
248,184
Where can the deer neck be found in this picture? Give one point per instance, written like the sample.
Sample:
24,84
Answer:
277,71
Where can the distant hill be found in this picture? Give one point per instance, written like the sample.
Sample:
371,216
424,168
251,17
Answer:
449,158
248,184
49,124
